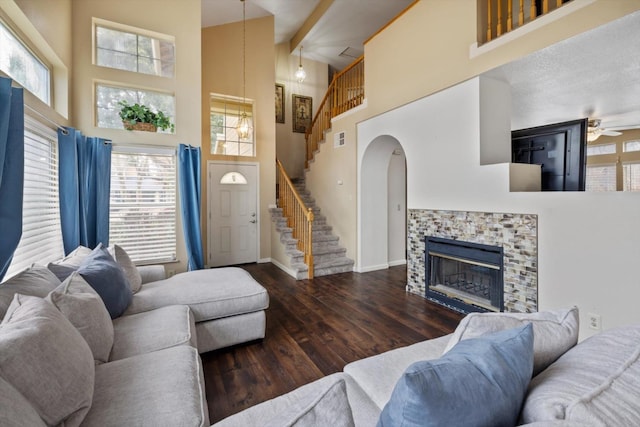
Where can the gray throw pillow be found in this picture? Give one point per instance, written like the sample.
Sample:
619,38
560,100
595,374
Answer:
596,383
71,262
130,270
37,281
481,382
84,308
554,332
15,410
47,361
329,408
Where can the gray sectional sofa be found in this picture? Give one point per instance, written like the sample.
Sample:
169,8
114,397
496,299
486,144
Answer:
593,383
65,359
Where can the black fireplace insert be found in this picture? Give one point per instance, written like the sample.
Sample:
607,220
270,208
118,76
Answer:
465,276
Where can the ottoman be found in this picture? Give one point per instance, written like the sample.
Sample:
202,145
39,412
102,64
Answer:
228,305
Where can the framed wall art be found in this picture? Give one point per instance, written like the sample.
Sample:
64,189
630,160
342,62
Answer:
301,113
279,103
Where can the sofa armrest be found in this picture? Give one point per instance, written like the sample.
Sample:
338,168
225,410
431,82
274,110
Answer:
151,273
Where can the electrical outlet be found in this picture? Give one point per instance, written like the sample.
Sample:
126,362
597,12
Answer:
171,273
595,321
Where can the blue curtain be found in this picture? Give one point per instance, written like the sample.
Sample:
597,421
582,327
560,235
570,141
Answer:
85,180
189,181
11,170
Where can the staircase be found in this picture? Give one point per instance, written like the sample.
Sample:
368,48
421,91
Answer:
328,256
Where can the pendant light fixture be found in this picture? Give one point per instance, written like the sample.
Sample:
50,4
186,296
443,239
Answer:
301,74
243,122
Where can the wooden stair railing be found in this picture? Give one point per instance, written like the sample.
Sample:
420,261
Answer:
345,92
501,16
299,216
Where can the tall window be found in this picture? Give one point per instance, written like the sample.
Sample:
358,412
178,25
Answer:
41,233
613,166
142,215
108,96
224,116
134,50
23,66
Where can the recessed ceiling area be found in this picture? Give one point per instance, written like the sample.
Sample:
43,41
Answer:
595,74
345,24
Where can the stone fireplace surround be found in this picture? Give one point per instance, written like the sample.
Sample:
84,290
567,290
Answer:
516,233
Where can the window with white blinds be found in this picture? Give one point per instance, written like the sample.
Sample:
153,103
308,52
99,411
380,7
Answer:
41,240
142,213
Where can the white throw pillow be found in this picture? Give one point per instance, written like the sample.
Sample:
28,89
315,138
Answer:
130,269
554,332
46,359
84,308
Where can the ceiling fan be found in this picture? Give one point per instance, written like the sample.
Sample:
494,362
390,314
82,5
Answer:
594,131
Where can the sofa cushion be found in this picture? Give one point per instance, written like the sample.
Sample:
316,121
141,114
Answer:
36,281
130,270
153,330
162,388
378,375
554,332
479,382
330,407
84,308
211,293
594,383
364,411
15,410
46,359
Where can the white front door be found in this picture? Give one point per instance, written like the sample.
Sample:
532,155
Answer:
233,215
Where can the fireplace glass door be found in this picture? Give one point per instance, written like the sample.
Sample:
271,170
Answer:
464,275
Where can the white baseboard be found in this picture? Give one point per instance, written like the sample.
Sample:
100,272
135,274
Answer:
372,268
264,260
284,268
397,262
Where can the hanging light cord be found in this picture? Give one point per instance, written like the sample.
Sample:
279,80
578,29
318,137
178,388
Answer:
244,56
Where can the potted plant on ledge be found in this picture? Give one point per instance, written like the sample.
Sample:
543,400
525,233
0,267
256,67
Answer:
140,117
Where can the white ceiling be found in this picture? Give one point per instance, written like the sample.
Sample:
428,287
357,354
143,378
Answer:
594,74
345,24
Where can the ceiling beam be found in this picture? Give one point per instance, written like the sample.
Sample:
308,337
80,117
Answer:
310,22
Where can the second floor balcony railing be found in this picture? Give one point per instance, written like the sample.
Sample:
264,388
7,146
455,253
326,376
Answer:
498,17
345,92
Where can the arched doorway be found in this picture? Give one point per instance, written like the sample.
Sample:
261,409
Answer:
382,205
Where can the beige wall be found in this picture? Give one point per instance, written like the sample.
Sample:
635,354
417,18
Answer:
222,74
290,146
180,19
433,43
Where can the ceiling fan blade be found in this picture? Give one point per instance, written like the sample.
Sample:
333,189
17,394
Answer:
610,132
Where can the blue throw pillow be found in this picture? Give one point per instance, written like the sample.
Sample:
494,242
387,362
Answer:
479,382
107,278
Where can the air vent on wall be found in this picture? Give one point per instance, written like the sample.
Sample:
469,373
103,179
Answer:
338,139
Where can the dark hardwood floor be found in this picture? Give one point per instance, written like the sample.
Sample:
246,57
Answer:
314,328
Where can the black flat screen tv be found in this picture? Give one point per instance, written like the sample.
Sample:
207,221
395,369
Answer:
560,150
